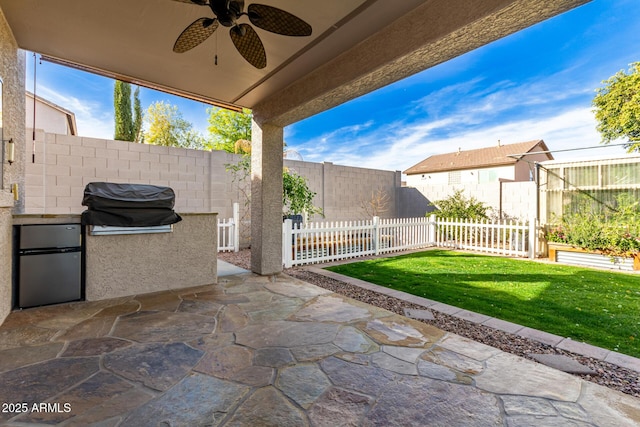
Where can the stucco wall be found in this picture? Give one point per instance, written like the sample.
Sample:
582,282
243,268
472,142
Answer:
518,198
468,176
120,265
12,73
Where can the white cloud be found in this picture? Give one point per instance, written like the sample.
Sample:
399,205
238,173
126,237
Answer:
92,118
404,147
474,114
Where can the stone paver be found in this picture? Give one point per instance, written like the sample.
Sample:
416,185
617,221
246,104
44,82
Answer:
40,382
464,405
353,340
471,316
563,363
158,366
198,400
94,346
268,407
303,383
451,359
418,314
254,351
332,308
21,356
339,407
540,380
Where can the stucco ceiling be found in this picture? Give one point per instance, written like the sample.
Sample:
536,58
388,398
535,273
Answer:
356,45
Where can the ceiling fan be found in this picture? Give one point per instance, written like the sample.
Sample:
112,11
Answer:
244,37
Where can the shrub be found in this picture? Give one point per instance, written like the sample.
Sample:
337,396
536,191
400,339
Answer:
616,233
458,206
297,197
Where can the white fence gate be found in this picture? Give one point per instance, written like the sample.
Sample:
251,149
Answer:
510,238
317,242
229,232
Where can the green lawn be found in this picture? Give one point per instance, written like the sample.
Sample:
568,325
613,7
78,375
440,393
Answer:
598,307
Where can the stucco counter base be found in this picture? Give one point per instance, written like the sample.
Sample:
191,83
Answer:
122,265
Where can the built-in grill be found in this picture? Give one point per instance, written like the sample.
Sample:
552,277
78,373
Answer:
128,205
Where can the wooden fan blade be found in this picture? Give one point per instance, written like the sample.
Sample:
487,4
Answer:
195,34
249,45
277,21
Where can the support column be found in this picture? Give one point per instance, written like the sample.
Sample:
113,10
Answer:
266,198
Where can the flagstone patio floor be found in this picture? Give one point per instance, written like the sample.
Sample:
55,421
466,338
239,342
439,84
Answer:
273,351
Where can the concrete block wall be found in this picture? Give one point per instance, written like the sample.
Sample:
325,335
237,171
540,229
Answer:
519,199
65,164
342,190
413,203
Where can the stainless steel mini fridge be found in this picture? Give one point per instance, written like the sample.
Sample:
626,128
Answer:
49,264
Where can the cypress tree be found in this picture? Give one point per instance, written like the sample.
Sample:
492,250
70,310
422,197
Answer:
137,116
122,109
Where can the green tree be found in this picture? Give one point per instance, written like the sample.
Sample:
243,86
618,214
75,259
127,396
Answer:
617,108
137,116
226,127
167,127
122,108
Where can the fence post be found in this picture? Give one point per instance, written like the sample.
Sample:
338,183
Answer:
432,230
376,235
287,239
236,227
533,236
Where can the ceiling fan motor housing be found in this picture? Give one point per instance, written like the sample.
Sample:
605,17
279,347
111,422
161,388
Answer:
227,11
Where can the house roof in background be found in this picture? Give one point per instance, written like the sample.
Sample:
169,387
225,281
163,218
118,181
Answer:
479,158
71,116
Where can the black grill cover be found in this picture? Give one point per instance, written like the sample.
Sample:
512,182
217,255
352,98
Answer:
128,205
109,195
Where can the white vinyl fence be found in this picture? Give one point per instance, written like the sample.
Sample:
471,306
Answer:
317,242
510,238
229,232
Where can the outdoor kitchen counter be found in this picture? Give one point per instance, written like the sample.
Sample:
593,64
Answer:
27,219
130,264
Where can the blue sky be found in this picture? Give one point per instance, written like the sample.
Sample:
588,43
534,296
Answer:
535,84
